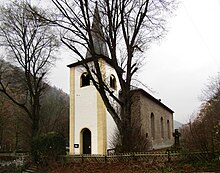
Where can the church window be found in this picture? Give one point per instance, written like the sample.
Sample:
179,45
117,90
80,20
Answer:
113,82
161,127
152,126
168,129
85,79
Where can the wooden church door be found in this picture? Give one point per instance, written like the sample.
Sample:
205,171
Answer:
86,134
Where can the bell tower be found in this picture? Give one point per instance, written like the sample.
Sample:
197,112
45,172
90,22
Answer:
91,125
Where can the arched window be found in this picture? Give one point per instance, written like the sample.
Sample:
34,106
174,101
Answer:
113,82
161,127
152,125
85,79
168,129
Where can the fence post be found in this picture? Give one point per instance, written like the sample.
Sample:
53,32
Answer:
133,157
82,160
168,155
105,159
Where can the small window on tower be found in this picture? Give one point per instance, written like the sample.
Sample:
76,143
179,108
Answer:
113,82
85,79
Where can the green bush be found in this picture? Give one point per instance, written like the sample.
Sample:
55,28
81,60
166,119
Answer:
48,147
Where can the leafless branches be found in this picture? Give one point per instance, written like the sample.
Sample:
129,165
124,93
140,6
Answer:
30,44
203,133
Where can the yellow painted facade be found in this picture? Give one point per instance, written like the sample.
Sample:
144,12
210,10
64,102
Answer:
101,126
101,116
72,110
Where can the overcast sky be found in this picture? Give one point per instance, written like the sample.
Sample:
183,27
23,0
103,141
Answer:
179,67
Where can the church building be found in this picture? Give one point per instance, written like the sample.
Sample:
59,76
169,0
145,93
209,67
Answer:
92,127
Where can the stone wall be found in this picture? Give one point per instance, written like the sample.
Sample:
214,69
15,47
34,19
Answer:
156,119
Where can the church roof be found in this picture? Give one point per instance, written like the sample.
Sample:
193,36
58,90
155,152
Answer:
84,61
98,35
90,59
158,101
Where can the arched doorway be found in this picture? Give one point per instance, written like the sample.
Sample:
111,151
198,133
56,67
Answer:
86,141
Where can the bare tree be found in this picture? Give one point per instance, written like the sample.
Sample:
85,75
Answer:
30,45
202,133
124,28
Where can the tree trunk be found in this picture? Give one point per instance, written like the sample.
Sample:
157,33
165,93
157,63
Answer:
126,132
36,116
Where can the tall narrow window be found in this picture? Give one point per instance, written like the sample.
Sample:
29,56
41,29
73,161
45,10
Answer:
85,79
152,126
161,127
113,82
168,129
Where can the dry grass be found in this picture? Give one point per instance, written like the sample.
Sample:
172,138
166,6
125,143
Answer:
126,167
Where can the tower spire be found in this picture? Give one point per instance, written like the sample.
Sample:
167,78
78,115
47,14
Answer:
97,35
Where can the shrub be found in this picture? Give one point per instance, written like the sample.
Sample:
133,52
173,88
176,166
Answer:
48,147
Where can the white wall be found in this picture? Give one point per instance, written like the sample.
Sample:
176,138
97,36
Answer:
85,111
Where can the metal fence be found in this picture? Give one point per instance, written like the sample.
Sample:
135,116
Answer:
150,157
